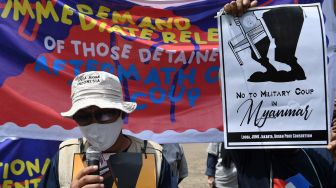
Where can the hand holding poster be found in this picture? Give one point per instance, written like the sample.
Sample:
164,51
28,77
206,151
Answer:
274,77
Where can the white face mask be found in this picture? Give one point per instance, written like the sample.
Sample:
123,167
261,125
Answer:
102,136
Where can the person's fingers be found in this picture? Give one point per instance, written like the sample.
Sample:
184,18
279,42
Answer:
333,136
228,8
88,180
333,133
240,9
100,185
83,178
211,181
246,2
246,5
332,145
254,3
86,171
234,10
332,148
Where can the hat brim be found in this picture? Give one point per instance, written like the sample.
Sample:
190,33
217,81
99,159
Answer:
127,107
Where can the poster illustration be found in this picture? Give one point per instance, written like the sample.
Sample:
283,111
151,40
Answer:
274,79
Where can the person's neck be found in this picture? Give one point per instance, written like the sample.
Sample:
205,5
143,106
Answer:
120,145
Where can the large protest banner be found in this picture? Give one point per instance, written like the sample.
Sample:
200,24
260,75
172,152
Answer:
167,58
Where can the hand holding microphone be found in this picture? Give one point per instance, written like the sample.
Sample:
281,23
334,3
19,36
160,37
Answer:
93,158
90,174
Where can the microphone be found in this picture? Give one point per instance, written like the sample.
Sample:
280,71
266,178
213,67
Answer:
93,158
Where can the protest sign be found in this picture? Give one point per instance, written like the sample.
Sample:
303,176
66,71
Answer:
274,77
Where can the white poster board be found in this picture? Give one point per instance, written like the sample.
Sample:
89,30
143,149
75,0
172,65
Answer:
274,78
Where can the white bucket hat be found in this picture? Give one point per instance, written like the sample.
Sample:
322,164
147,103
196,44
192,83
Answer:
97,88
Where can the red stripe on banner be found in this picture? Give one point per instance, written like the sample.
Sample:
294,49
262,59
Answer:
24,24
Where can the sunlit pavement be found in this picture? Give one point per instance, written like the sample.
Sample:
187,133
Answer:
196,158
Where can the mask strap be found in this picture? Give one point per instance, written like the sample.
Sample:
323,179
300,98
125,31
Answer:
81,147
143,150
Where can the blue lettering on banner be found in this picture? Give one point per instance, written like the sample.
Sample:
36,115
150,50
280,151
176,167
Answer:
211,75
107,67
168,71
135,96
59,65
153,76
76,65
41,64
156,94
91,65
131,74
191,76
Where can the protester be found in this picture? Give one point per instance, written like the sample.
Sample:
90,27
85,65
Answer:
220,170
98,107
175,156
264,168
